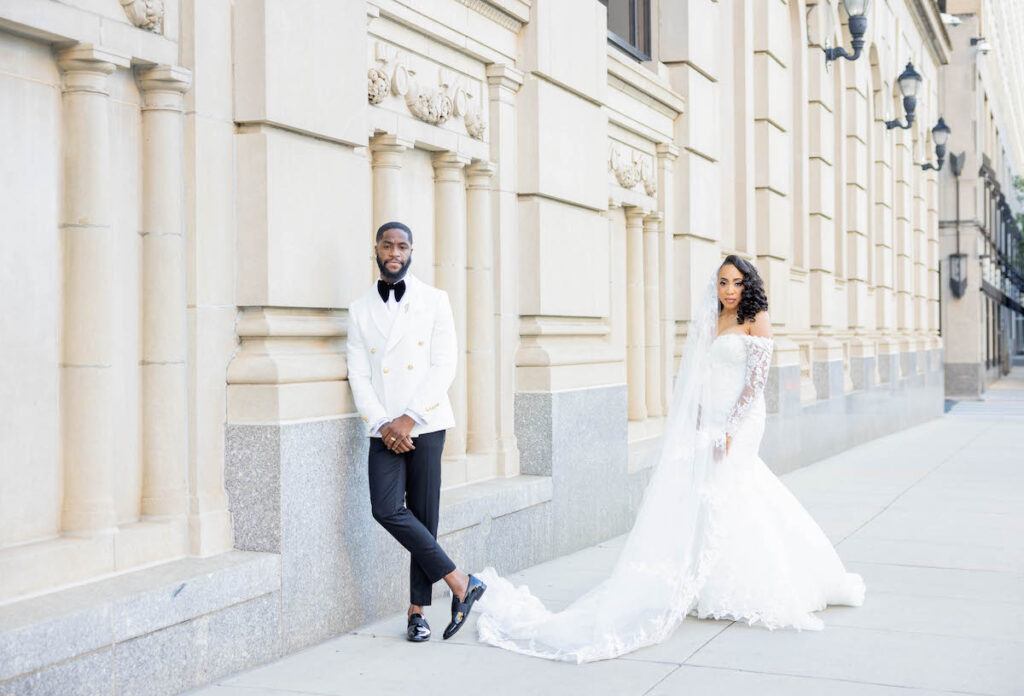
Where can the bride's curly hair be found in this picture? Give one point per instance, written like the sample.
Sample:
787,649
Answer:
753,299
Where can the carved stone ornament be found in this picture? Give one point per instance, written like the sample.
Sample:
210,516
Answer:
378,85
627,172
459,101
432,106
389,76
647,174
631,171
475,125
400,80
145,14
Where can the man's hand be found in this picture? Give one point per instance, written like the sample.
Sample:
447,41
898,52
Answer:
396,434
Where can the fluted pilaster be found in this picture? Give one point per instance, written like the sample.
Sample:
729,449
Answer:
652,314
635,317
667,155
450,274
503,82
480,319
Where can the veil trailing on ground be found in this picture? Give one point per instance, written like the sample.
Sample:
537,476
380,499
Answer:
670,549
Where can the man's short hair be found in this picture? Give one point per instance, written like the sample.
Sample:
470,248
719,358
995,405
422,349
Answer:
393,226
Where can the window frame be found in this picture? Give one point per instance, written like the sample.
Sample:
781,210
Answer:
626,44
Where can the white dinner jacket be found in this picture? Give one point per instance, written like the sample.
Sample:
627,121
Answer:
406,361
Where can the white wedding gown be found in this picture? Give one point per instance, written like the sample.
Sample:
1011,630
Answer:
774,564
718,535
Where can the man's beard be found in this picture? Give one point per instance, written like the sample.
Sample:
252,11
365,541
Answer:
388,275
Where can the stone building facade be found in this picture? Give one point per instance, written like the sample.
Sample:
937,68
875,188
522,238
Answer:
983,317
190,190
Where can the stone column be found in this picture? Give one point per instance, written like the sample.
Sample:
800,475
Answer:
387,151
480,318
87,428
652,315
667,155
636,379
503,81
450,274
164,409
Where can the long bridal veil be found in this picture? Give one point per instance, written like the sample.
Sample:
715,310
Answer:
667,555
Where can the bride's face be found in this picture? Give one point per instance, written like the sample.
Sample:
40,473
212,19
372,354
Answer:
730,287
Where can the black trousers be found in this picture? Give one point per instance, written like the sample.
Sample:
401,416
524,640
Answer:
405,497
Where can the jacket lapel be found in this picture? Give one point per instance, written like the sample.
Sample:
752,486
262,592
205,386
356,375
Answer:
406,311
379,313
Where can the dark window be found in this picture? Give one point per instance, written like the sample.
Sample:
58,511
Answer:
629,26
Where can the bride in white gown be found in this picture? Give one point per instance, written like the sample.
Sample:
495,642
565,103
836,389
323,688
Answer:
717,535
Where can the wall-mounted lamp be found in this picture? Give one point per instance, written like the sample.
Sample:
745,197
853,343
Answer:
940,136
958,274
909,82
950,20
857,11
957,261
981,44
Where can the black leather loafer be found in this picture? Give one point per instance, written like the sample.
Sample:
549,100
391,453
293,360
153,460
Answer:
460,610
418,629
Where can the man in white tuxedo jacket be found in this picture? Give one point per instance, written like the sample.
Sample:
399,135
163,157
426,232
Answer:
401,361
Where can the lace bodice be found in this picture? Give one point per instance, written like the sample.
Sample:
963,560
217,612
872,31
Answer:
739,364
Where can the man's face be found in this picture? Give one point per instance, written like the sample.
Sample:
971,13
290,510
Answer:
394,254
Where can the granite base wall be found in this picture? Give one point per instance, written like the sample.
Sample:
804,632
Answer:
301,490
912,391
153,632
580,439
965,380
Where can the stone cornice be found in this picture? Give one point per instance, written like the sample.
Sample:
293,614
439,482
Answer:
644,81
510,14
929,24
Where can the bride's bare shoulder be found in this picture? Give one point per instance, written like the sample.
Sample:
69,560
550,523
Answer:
761,326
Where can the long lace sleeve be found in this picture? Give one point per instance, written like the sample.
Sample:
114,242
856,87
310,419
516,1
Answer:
759,358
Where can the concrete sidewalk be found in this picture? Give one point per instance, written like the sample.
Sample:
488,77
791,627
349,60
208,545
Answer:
932,517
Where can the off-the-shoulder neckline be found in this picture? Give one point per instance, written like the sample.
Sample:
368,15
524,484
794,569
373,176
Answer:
744,335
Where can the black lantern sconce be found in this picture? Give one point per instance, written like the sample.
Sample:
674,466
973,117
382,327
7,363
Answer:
958,274
857,11
958,260
909,82
940,136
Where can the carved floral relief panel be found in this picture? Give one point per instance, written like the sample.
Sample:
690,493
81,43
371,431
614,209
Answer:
631,168
433,93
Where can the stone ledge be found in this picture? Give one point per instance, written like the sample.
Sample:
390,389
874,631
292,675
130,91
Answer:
476,503
42,631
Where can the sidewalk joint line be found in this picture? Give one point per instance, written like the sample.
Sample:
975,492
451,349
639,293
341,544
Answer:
937,567
931,471
837,679
705,643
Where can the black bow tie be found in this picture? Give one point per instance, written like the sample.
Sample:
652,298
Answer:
384,289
